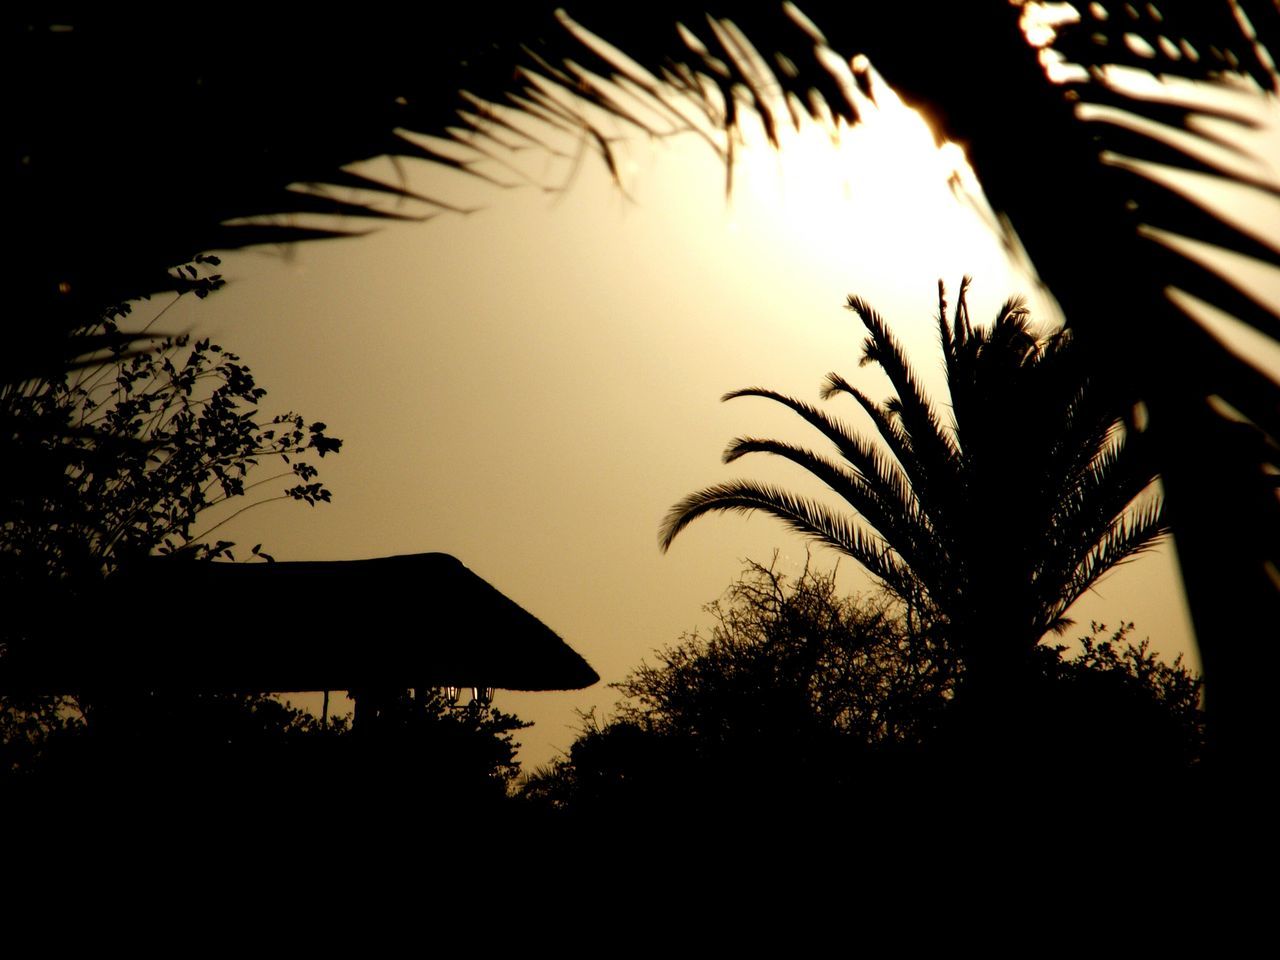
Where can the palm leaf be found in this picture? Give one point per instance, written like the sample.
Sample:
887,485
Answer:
869,462
897,521
940,488
804,516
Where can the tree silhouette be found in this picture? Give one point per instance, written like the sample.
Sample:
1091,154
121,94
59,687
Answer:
133,449
799,697
995,518
141,444
792,657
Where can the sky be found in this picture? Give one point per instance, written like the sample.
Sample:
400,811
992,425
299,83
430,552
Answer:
530,386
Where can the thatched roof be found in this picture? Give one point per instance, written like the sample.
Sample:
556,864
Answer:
407,621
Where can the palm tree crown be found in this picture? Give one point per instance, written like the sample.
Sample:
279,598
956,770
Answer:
996,520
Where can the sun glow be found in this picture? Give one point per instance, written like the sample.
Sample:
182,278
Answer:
837,198
888,164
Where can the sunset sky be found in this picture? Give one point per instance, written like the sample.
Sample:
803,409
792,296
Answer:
532,385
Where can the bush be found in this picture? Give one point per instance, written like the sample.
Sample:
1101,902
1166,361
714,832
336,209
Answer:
794,660
801,696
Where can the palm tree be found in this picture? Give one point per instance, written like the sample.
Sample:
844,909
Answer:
996,517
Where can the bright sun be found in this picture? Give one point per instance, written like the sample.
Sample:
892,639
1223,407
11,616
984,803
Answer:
886,170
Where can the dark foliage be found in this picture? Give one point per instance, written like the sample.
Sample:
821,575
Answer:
140,446
36,731
800,699
789,659
226,743
124,454
466,751
136,446
1120,691
247,772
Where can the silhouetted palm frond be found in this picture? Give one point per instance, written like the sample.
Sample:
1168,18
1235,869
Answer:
803,515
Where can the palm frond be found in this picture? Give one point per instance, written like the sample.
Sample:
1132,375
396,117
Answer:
919,419
938,487
1181,38
896,519
1130,535
871,463
802,515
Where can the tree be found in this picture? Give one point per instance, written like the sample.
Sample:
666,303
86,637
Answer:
239,759
144,442
453,755
799,696
995,519
134,446
788,659
435,753
1122,691
796,692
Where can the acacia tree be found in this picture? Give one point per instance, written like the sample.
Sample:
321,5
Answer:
790,657
795,690
995,517
798,692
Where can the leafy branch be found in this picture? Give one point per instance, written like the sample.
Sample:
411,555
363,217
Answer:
145,441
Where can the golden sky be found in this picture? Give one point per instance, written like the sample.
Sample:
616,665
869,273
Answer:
531,386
